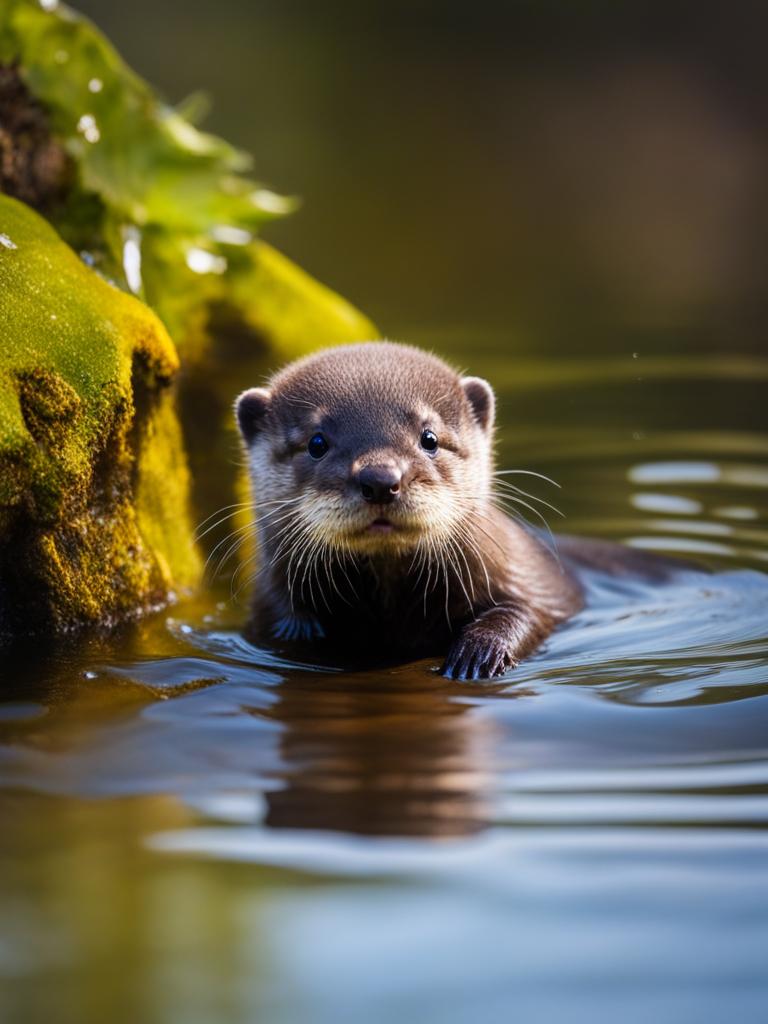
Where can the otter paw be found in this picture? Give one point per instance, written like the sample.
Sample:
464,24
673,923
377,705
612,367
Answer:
478,656
297,628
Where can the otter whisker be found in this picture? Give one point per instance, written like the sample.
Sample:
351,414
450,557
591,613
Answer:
477,513
313,567
309,568
503,498
345,552
507,487
236,544
285,536
302,534
458,553
521,518
482,515
334,558
280,501
498,500
306,563
271,514
234,594
246,583
422,553
442,573
527,472
286,517
237,509
246,530
419,563
430,561
237,571
320,556
466,536
285,549
444,564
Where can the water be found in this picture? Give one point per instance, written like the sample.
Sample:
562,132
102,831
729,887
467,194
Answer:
195,830
199,830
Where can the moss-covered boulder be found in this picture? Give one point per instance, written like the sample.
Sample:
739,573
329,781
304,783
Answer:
166,210
94,488
138,204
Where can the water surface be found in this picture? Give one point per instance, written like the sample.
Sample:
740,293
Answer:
198,830
570,202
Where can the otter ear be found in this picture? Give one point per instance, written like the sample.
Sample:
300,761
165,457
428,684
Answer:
481,398
250,409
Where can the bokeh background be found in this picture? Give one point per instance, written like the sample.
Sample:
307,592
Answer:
556,170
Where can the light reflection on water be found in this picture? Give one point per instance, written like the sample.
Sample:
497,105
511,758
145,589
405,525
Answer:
257,831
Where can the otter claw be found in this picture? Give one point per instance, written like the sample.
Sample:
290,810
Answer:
474,659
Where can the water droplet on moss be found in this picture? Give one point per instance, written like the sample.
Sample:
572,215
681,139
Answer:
270,202
88,128
132,259
203,262
95,85
230,235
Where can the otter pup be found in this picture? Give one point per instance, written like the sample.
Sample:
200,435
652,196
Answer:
371,467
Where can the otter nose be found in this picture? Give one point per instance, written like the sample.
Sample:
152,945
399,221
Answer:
379,484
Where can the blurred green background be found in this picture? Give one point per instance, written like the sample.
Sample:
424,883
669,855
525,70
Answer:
556,169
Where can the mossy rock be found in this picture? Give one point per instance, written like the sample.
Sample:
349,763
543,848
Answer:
252,289
167,211
94,486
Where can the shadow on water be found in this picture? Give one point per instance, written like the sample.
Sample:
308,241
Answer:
388,752
380,761
267,827
402,751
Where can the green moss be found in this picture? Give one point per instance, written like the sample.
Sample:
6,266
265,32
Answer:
93,478
161,491
149,183
87,437
146,161
249,286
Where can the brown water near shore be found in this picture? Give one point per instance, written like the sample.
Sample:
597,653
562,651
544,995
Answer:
196,829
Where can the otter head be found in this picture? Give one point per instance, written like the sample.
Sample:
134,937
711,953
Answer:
370,448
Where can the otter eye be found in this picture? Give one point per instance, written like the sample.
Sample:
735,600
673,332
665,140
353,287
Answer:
317,446
429,441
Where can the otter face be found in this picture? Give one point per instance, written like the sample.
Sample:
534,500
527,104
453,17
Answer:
374,448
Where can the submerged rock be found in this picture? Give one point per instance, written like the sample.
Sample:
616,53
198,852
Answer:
94,523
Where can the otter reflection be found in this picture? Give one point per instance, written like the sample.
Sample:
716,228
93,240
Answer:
392,752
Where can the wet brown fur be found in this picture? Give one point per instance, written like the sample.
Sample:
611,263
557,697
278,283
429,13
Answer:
455,576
